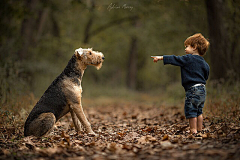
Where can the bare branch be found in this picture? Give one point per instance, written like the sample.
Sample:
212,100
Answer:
112,23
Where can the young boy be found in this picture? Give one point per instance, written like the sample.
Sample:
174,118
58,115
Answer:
194,74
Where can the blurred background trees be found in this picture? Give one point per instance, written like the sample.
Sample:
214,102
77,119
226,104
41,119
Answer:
38,37
224,20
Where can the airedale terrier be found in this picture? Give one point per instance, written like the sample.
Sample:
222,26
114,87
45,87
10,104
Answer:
63,96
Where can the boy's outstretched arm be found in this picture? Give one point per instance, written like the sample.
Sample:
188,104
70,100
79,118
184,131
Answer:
157,58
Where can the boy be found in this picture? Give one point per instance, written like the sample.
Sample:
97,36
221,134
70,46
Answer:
194,74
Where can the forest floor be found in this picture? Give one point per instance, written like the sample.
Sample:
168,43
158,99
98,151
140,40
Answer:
126,130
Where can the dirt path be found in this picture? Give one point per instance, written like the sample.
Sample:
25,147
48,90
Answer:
126,131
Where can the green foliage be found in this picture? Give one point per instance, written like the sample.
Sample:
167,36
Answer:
59,27
12,83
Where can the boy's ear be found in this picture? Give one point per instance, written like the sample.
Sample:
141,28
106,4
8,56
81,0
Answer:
194,47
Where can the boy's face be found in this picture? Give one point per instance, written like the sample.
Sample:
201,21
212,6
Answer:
189,49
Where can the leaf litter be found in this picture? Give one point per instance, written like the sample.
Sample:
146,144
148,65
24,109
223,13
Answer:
128,131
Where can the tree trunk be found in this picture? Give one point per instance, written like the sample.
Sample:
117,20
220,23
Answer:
87,29
132,64
91,6
216,30
42,21
28,28
222,28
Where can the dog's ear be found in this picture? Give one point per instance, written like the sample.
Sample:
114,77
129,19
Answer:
79,52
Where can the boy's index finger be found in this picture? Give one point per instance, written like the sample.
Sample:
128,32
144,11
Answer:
155,56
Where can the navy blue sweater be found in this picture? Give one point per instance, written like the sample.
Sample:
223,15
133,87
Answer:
194,69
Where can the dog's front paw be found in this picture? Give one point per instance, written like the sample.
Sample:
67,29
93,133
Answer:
92,134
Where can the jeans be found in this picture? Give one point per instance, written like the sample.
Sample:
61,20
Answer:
194,101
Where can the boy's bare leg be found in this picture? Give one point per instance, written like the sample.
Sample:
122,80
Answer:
193,124
199,123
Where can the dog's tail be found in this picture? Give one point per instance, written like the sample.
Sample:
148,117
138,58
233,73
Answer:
40,126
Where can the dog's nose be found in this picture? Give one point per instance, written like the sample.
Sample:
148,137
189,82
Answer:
103,58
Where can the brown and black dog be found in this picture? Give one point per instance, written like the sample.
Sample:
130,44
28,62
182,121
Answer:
63,96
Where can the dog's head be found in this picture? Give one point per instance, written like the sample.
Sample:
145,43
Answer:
90,57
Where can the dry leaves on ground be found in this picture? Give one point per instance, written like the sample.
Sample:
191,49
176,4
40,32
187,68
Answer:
126,131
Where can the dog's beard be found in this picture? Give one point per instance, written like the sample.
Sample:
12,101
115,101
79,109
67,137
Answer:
98,66
98,62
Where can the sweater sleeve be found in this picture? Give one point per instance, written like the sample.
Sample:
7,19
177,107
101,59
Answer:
175,60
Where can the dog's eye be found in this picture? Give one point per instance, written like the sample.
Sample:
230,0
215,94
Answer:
90,53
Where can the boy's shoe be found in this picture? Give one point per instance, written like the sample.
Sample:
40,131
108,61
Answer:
195,136
201,132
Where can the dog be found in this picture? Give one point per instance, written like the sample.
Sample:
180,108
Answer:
63,96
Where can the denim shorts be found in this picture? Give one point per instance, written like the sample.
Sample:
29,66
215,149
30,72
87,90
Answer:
194,101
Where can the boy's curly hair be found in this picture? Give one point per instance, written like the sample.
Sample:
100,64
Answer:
199,42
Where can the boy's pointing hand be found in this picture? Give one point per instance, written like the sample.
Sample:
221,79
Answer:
157,58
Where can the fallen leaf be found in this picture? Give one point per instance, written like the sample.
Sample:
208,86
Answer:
50,151
166,145
165,137
142,140
151,138
194,146
130,136
66,137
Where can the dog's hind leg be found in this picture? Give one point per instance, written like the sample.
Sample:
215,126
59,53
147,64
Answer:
40,126
76,121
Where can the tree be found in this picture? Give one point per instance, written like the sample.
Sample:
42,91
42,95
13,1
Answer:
224,21
133,58
132,64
